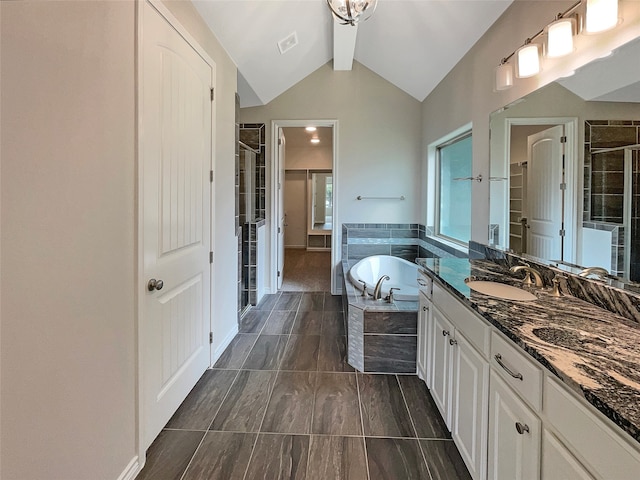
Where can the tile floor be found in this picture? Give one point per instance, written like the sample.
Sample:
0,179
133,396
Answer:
282,403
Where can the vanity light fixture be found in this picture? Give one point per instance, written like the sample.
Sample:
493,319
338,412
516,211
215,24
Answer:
350,12
528,60
315,140
310,129
601,15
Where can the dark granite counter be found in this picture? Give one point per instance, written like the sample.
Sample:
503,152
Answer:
593,351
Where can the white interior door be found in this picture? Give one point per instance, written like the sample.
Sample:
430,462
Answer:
281,213
544,194
295,206
176,157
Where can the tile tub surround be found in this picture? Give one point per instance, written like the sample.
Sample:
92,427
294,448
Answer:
593,351
381,337
404,240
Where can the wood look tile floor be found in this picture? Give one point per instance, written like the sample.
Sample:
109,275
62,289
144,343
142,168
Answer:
283,403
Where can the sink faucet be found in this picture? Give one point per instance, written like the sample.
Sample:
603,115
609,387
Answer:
377,294
600,272
530,272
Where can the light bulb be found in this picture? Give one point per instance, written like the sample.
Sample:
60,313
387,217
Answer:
528,57
560,37
601,15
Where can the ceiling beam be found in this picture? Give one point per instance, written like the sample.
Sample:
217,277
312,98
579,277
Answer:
344,45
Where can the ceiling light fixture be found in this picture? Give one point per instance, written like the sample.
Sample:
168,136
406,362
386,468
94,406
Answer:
600,15
315,140
310,129
350,12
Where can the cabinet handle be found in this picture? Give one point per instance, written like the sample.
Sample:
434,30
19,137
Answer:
422,283
498,358
452,341
521,429
424,308
445,333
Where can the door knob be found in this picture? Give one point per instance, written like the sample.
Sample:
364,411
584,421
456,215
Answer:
155,285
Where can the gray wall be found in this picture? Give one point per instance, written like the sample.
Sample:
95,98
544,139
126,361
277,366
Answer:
378,140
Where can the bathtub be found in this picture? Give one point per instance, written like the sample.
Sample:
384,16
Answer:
402,274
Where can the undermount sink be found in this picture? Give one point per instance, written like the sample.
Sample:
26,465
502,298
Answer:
500,290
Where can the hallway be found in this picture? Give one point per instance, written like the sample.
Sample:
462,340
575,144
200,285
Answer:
282,402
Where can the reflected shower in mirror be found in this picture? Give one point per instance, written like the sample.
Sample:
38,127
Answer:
565,169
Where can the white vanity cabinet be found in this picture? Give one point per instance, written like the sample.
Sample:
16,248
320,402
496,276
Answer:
514,435
459,375
557,461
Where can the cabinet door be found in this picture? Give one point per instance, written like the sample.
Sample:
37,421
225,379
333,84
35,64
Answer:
423,339
441,362
514,435
469,405
558,463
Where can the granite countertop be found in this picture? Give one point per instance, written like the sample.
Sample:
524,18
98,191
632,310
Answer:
593,351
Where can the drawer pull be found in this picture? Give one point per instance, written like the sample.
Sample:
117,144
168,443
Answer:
422,283
424,308
498,358
452,341
445,333
521,429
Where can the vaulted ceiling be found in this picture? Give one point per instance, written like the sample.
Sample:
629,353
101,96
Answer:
412,44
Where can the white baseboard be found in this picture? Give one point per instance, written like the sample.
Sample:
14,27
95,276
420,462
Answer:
225,343
132,470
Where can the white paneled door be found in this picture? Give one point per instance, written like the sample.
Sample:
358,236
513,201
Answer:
176,158
544,193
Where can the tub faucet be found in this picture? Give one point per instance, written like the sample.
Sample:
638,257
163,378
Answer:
600,272
377,293
530,272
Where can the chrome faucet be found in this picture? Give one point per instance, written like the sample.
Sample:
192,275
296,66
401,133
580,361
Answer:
377,294
600,272
530,272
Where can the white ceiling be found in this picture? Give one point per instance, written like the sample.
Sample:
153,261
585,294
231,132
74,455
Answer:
411,43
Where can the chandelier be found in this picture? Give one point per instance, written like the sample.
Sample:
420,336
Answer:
350,12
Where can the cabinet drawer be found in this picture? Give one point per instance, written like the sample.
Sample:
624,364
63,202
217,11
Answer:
522,374
474,328
598,446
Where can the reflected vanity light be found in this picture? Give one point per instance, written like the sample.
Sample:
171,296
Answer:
560,37
315,140
601,15
310,129
504,76
528,60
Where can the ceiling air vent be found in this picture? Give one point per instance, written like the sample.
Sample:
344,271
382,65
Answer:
288,43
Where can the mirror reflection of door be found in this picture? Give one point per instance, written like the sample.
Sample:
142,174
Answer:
536,195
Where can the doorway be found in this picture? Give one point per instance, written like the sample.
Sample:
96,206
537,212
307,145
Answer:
541,175
303,253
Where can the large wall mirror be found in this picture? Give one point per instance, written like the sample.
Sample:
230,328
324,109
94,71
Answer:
565,169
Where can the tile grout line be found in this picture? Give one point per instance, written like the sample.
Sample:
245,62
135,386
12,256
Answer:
413,424
255,442
364,440
220,405
270,396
